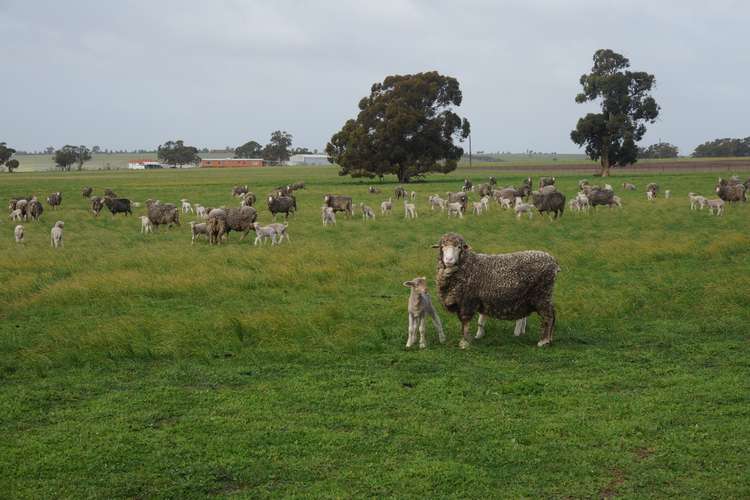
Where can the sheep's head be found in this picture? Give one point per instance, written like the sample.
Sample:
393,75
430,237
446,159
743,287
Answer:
452,247
418,284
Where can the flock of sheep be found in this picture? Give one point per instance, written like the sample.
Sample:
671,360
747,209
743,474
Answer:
503,286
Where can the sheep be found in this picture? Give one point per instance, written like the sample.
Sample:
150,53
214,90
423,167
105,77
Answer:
298,185
575,205
339,203
263,233
525,189
56,235
96,205
34,209
455,208
730,192
373,190
485,201
598,196
506,203
146,226
367,212
546,181
54,200
502,286
19,204
609,187
650,196
461,198
492,181
160,214
583,201
281,232
413,195
216,225
86,192
117,205
15,215
18,233
399,192
420,306
616,201
187,208
552,202
201,212
386,206
238,190
523,208
548,189
410,210
485,189
628,186
196,229
654,188
467,186
583,183
667,194
476,207
281,204
247,199
328,215
508,193
108,193
240,220
696,200
716,206
436,202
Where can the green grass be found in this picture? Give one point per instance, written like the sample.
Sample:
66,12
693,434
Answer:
139,366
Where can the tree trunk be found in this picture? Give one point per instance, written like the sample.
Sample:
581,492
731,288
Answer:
604,171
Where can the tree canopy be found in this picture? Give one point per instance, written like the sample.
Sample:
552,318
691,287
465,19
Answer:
6,154
68,155
177,153
626,106
406,127
250,149
658,150
278,148
12,164
723,148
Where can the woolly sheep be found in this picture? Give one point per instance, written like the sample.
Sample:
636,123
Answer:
420,306
410,210
196,229
523,208
502,286
339,203
86,192
628,186
18,233
715,206
436,202
15,215
386,206
650,195
54,200
56,235
367,212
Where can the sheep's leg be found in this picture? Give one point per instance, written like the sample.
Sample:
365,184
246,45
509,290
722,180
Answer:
547,314
480,326
422,327
438,325
465,327
520,327
412,338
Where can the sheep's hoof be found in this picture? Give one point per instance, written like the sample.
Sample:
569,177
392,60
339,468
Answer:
543,342
463,344
423,346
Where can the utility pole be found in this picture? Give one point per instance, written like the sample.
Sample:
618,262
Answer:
469,150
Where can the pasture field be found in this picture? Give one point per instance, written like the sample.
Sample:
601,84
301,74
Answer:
142,366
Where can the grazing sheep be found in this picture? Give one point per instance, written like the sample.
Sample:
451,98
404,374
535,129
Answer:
146,226
117,205
54,200
461,198
240,220
18,233
716,206
86,192
667,194
367,212
628,186
281,231
598,196
187,208
503,286
373,190
56,235
436,202
201,212
650,196
16,215
730,192
248,199
196,229
525,189
410,210
467,186
166,214
263,233
399,192
476,207
281,204
34,209
96,205
298,185
523,208
108,193
339,203
386,207
552,202
455,208
420,306
328,215
238,190
546,181
696,200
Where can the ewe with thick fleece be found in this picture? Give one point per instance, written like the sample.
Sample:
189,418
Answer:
420,306
503,286
56,235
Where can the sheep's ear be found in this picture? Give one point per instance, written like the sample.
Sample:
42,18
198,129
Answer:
436,245
467,246
409,284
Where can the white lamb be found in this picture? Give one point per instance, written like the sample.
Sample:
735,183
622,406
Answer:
18,233
523,208
56,235
281,232
386,207
437,202
263,233
419,307
410,210
476,207
328,215
696,201
485,201
455,208
15,215
146,225
716,206
187,208
506,203
367,212
201,212
650,195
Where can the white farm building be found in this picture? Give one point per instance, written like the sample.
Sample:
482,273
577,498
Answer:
143,164
308,159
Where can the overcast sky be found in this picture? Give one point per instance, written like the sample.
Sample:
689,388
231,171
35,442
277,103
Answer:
135,74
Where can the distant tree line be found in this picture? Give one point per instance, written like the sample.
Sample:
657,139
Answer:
658,150
723,147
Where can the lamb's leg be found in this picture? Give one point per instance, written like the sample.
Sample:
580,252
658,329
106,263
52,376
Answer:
412,338
547,314
466,340
422,327
480,326
438,325
520,327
